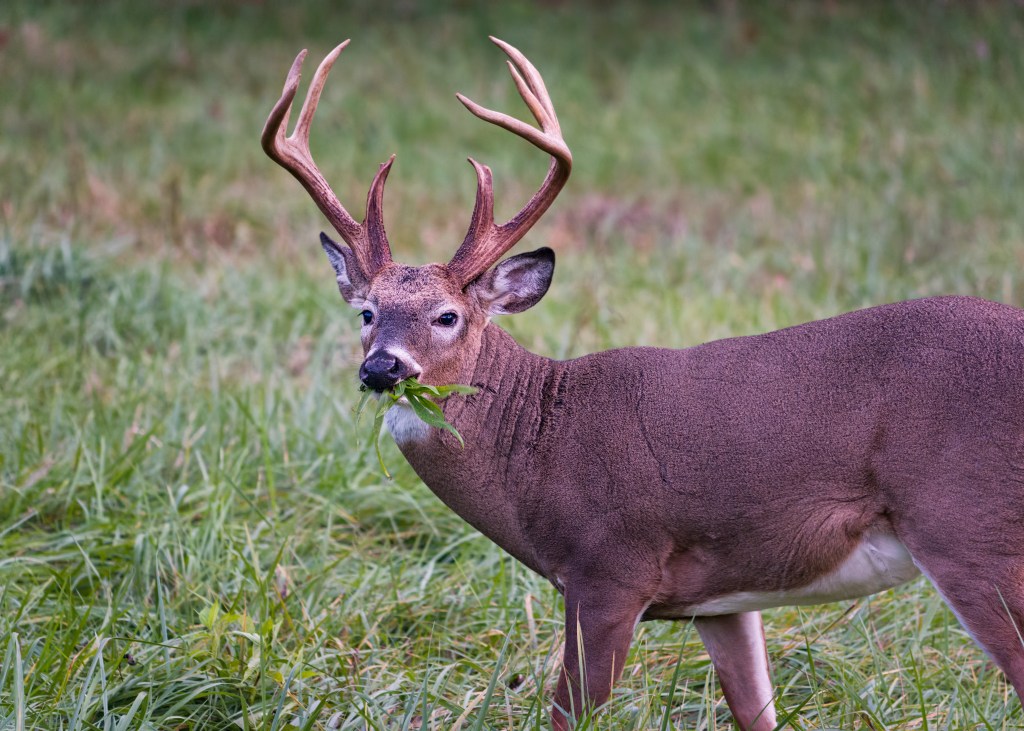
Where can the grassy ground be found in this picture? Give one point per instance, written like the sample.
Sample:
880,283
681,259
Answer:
193,531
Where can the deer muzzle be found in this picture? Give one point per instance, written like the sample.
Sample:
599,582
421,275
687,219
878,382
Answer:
383,370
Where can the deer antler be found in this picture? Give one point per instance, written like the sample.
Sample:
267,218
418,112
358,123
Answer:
486,242
368,240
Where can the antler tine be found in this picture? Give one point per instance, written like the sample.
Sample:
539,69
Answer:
316,88
277,121
485,242
483,211
368,240
520,66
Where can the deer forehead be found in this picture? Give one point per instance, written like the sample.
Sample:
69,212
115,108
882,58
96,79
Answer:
415,289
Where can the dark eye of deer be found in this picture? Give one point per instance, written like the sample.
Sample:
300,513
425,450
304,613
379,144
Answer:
367,317
447,319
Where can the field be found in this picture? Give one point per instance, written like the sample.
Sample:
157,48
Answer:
194,531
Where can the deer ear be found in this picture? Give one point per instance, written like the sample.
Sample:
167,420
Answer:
351,282
516,284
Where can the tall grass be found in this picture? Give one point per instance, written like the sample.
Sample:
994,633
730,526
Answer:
194,532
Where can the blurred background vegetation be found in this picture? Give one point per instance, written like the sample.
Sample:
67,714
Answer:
193,530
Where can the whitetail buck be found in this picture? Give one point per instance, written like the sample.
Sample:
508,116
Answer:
821,462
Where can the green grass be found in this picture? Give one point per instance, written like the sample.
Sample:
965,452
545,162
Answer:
194,532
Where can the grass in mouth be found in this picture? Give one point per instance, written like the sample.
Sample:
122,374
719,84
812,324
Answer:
421,397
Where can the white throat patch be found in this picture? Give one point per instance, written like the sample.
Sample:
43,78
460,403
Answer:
404,425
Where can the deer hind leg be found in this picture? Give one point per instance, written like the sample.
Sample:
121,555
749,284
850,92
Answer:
988,599
974,556
736,645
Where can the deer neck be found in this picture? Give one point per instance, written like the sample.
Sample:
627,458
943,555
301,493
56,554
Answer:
485,480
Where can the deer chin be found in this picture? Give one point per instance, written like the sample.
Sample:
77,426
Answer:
403,424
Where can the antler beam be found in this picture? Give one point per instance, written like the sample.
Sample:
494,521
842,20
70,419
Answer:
368,240
486,242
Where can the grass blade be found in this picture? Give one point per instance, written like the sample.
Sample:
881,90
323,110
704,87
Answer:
481,714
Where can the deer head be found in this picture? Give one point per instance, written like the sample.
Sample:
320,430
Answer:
427,321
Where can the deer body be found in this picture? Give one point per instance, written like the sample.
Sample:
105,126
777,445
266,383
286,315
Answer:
820,462
786,468
791,440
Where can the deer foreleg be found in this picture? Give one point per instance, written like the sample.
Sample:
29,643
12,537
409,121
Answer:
598,631
736,645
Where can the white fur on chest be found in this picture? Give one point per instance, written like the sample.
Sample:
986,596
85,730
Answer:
403,424
880,562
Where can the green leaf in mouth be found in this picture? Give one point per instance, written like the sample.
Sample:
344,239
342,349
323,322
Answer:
421,398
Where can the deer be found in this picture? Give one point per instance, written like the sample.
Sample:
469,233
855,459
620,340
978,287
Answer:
821,462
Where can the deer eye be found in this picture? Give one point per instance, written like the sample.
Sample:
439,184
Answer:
447,319
367,317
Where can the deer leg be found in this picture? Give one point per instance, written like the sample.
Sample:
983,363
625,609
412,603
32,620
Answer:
988,599
598,631
962,529
736,645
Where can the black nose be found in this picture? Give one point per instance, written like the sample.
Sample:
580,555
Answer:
382,371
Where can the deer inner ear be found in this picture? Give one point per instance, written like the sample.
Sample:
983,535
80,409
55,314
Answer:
351,283
516,284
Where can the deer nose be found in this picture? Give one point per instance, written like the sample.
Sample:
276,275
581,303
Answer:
382,370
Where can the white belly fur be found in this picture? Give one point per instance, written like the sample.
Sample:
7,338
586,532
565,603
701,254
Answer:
880,562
